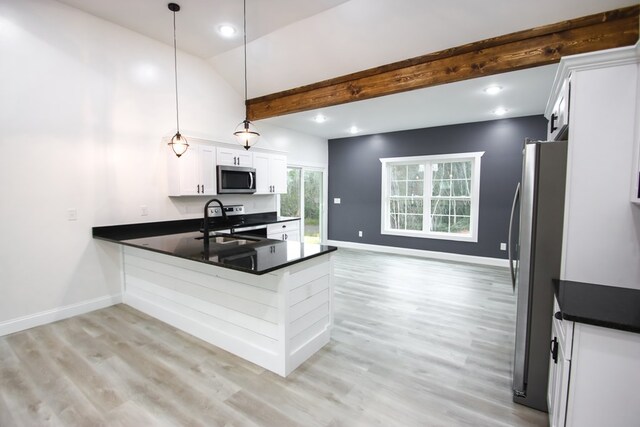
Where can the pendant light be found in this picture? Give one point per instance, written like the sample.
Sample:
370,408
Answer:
178,142
245,132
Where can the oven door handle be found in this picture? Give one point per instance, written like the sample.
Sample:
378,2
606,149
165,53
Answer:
248,228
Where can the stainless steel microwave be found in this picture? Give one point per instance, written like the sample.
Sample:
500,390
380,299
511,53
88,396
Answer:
236,180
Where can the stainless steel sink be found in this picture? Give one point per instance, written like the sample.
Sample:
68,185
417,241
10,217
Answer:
229,240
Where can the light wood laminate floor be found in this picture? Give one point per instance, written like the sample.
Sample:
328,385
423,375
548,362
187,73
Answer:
416,342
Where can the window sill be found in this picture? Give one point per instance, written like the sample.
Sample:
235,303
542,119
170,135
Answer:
439,236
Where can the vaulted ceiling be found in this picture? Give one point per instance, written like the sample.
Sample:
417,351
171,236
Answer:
294,43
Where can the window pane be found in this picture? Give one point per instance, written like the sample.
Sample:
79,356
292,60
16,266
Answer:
415,172
462,207
415,206
441,188
290,202
440,223
398,206
398,188
414,222
399,172
460,224
440,207
447,170
416,188
393,221
461,170
437,171
461,188
312,205
401,222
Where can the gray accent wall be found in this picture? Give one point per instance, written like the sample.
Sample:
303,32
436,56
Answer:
355,176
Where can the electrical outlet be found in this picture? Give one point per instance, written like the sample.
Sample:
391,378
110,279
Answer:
144,210
336,201
72,214
359,233
503,246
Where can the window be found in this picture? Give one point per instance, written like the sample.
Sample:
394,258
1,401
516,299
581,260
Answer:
431,196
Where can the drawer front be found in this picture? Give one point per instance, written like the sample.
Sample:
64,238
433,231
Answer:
283,227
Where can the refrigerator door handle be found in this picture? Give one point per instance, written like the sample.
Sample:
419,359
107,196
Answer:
516,196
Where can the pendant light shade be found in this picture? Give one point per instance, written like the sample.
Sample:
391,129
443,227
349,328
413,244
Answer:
246,132
178,142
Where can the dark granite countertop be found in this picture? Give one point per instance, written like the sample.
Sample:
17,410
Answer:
182,238
599,305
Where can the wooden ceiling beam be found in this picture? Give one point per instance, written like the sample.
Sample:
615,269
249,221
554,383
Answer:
510,52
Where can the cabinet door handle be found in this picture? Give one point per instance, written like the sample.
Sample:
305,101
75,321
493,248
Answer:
554,349
198,188
202,188
554,117
234,160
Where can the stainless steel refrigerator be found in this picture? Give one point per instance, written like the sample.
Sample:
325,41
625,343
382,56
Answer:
534,257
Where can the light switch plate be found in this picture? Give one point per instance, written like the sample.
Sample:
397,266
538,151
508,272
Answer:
72,214
336,201
503,246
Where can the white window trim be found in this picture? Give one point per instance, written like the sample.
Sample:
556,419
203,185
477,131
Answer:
475,196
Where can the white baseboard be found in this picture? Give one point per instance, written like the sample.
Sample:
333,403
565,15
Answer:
495,262
30,321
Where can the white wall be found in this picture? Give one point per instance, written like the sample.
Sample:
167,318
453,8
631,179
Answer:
84,105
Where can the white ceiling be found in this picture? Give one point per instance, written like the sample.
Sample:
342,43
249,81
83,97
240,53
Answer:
198,21
294,43
524,93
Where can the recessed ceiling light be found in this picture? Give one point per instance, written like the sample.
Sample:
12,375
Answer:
500,111
319,118
353,129
492,90
227,30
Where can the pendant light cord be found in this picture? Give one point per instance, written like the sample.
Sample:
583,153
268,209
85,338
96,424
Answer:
175,69
244,31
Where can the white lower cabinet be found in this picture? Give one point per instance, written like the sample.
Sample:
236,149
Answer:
288,230
193,173
594,379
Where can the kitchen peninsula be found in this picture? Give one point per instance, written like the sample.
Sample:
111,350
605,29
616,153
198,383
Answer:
267,301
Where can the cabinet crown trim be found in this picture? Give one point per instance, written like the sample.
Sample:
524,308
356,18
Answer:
590,61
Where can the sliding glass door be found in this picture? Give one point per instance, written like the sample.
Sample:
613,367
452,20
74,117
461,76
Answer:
305,199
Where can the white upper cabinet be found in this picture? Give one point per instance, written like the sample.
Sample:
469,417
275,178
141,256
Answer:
597,244
271,173
193,173
233,157
559,120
